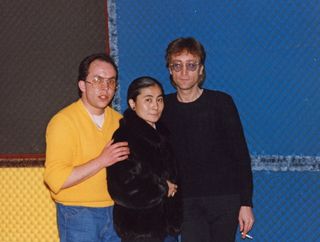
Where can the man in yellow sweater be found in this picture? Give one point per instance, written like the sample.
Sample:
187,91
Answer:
79,148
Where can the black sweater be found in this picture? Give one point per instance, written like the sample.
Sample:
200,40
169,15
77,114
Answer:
209,146
138,185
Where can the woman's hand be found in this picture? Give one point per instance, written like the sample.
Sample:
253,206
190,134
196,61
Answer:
172,189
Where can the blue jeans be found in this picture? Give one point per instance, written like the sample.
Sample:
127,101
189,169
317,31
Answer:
171,239
85,224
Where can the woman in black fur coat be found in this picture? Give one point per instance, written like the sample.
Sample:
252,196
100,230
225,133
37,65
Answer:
144,186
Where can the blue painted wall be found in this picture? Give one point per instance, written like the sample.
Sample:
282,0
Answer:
266,54
286,206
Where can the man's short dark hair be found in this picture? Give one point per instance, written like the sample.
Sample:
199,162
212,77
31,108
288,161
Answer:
85,64
189,45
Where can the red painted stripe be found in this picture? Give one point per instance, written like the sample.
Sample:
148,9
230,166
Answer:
22,156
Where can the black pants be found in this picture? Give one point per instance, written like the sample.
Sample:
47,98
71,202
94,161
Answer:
144,240
210,219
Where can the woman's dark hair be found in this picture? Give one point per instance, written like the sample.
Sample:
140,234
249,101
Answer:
86,62
139,83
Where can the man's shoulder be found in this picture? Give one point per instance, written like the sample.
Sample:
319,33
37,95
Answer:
211,93
217,97
109,111
170,97
173,94
68,110
217,94
65,116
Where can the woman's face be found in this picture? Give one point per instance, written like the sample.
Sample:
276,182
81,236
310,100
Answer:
148,104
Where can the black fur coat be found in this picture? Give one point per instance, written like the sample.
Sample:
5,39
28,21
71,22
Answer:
138,185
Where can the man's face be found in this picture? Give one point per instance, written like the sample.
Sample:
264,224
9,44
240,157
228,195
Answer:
186,71
98,89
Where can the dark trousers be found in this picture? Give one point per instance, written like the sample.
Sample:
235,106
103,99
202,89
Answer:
167,239
210,219
143,240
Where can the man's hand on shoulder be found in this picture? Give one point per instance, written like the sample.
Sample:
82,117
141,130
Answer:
113,153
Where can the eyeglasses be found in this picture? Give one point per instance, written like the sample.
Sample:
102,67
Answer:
100,82
190,66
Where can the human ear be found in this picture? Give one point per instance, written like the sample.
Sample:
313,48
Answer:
82,86
201,70
132,104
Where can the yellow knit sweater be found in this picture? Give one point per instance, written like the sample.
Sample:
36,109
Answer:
73,139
